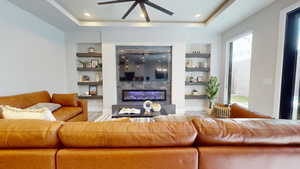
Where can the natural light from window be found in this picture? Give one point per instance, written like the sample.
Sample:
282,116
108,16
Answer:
241,68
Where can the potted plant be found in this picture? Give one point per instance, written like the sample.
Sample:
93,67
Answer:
212,89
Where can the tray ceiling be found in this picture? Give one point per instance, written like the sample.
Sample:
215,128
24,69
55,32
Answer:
184,10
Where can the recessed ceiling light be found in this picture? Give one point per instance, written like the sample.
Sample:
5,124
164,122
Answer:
197,16
87,14
142,15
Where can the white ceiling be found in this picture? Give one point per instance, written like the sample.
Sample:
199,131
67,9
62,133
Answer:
184,10
67,15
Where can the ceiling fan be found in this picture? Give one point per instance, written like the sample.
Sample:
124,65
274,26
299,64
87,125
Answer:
142,4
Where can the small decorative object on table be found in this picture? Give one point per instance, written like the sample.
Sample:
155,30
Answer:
156,107
92,90
212,89
148,107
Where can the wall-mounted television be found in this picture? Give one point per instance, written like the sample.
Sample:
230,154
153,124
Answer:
139,63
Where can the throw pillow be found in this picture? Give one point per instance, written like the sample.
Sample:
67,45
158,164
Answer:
51,106
15,113
65,99
220,111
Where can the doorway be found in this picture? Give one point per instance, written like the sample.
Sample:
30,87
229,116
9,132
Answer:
240,52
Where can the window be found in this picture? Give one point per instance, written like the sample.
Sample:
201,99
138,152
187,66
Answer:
240,70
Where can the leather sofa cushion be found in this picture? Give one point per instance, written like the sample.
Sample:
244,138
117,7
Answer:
127,134
65,99
214,132
241,112
223,157
66,113
26,100
28,159
128,158
28,134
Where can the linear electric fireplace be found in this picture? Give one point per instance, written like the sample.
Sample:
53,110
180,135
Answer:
143,95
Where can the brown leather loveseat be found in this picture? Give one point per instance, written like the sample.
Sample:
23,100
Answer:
74,110
202,143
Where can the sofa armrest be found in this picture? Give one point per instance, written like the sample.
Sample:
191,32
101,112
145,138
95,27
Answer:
241,112
84,105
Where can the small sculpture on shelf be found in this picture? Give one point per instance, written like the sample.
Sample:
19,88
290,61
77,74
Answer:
195,93
84,78
91,50
85,64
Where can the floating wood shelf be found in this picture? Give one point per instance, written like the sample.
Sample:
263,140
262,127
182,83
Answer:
200,69
198,55
89,69
89,83
90,54
91,97
196,83
195,97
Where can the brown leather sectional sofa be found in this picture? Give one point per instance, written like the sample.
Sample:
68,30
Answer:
202,143
77,112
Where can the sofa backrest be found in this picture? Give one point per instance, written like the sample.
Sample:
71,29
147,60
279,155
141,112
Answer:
127,134
29,134
245,132
238,111
26,100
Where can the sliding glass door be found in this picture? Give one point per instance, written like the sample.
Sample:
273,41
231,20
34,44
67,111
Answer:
289,102
296,101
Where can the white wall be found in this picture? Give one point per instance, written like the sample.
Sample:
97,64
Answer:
32,53
264,26
178,38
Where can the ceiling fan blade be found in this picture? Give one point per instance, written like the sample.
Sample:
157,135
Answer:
113,2
142,5
159,8
130,10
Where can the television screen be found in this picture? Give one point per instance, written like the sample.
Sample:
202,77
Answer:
144,64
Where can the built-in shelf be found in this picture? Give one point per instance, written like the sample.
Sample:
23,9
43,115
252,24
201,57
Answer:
195,97
91,97
89,69
196,83
90,54
200,69
89,83
197,55
145,53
